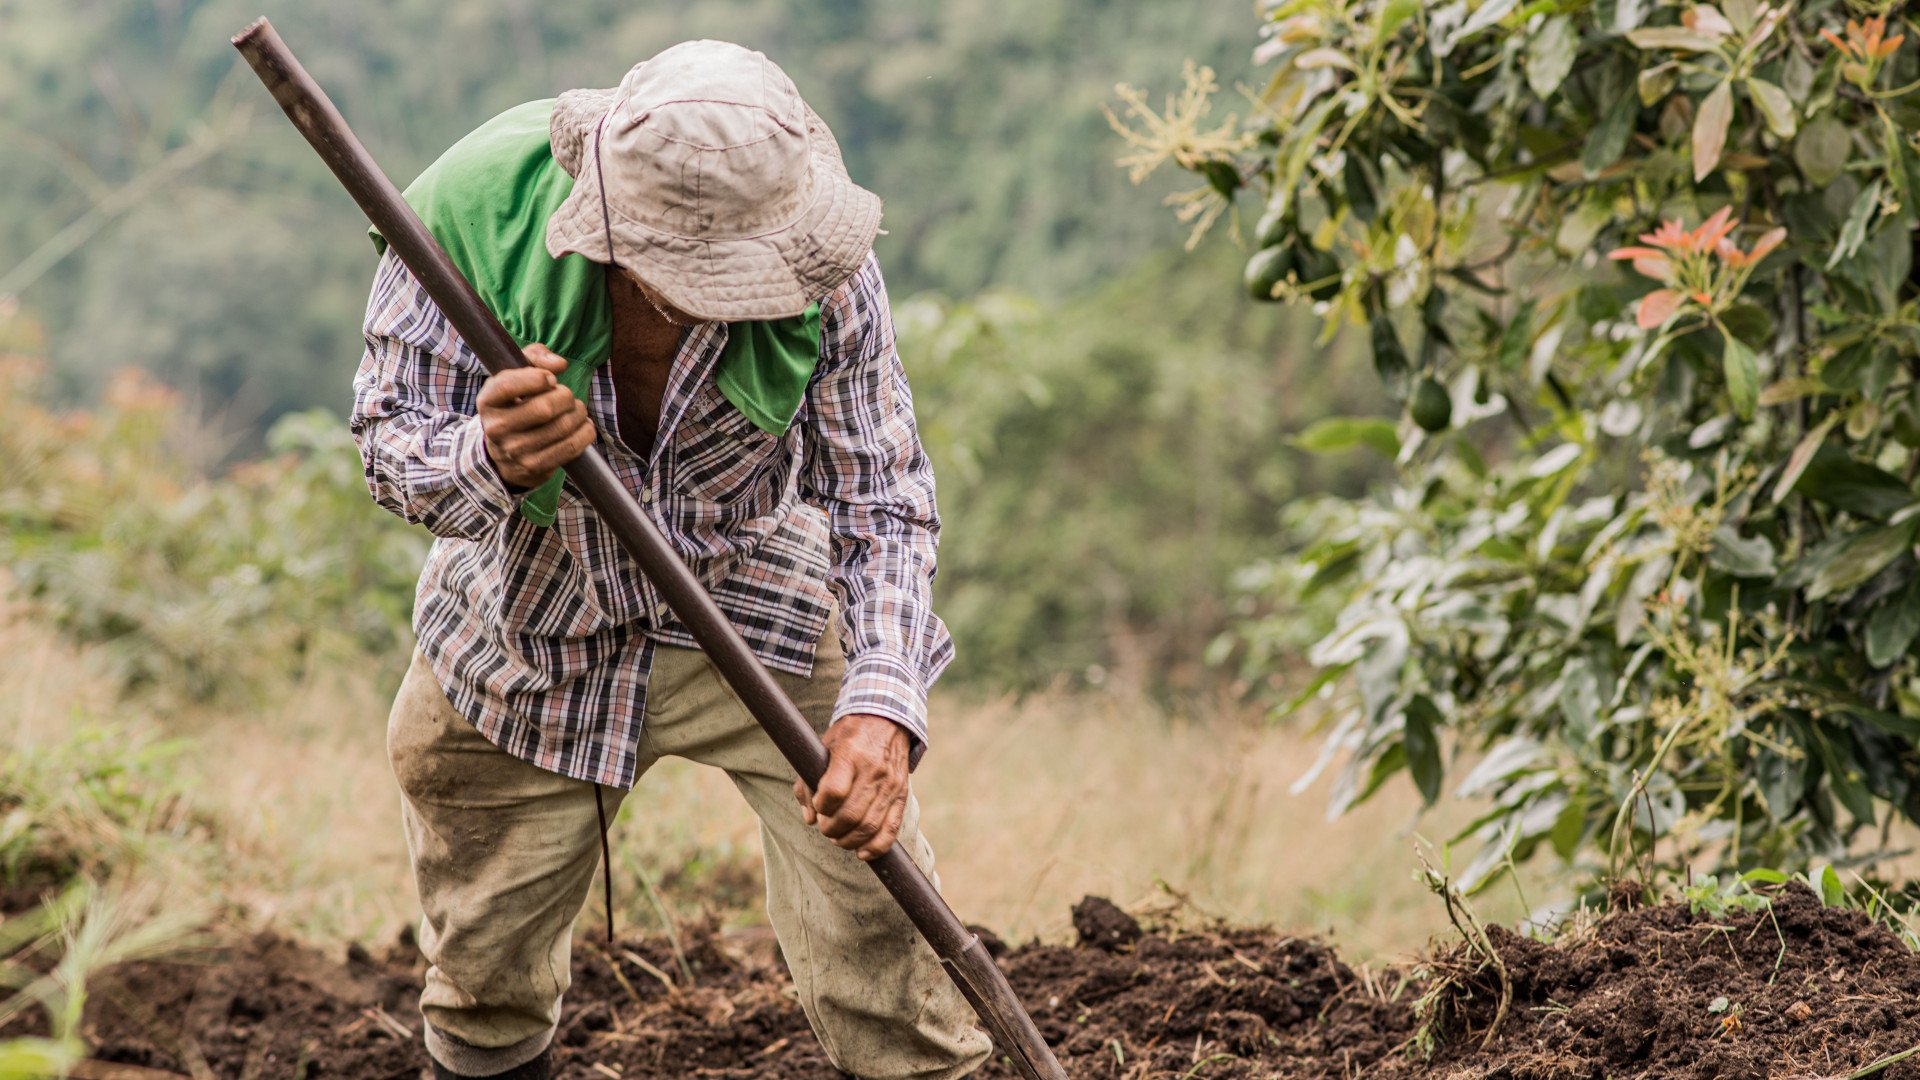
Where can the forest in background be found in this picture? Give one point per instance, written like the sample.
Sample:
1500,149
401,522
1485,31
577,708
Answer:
243,275
1109,432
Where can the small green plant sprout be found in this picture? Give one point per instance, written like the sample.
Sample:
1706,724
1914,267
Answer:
1709,897
1729,1013
90,928
1825,883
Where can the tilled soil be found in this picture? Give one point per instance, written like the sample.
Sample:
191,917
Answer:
1803,991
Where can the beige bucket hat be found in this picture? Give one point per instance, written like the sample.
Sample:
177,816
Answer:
723,191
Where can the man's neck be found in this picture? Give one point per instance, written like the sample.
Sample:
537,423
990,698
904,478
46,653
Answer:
625,289
645,342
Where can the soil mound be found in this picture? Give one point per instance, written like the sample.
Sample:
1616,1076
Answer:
1802,991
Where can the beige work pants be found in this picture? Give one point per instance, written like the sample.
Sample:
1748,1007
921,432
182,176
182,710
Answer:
504,854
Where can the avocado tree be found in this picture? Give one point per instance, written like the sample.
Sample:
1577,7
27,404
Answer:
1638,277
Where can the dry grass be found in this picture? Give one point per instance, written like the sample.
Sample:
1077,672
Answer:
1030,805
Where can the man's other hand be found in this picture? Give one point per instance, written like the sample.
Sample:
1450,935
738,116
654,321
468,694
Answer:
533,424
863,795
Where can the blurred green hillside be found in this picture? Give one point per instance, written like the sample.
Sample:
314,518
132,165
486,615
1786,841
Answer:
1110,432
242,279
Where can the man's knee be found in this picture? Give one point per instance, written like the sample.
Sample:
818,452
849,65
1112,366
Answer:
415,728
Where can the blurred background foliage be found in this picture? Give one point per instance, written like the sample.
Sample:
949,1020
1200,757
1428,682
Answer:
1109,431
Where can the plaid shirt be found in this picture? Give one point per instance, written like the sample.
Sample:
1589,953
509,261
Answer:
543,637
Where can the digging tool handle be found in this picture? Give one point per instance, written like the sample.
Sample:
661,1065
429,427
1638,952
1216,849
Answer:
961,953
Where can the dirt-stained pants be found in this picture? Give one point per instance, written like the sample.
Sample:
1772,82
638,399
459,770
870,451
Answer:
505,852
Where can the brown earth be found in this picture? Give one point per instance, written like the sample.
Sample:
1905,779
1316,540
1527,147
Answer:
1802,991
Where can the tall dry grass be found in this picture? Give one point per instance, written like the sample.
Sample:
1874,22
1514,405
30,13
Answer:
1029,804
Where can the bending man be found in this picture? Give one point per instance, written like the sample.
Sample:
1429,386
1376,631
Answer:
692,269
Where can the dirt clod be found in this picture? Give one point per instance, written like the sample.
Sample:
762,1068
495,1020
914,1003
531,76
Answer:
1101,924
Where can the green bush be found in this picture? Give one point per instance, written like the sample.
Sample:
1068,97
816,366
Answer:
196,585
1652,566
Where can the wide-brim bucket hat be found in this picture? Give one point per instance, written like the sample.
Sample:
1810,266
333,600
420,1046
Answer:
705,175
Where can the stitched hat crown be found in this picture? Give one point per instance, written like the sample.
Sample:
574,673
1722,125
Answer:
706,174
708,141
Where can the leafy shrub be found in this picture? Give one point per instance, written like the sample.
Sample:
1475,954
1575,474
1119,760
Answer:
1639,274
198,585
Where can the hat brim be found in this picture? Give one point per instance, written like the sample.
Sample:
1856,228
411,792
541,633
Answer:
774,275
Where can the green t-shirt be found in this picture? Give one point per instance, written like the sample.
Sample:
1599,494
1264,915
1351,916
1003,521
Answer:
487,200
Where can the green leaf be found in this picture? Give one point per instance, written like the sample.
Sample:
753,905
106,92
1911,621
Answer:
1854,232
1832,892
1743,375
1894,724
1655,83
1517,338
1608,139
1845,370
1551,56
1859,557
1802,456
29,1056
1673,37
1840,480
1821,150
1843,776
1569,827
1789,389
1893,624
1389,356
1710,130
1339,433
1488,13
1314,59
1775,107
1579,697
1741,556
1423,721
1390,761
1894,144
1748,322
1393,16
1361,198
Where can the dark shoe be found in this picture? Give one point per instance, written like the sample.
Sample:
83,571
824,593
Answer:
540,1068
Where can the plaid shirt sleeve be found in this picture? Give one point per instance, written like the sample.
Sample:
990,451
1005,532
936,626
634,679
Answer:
414,405
866,469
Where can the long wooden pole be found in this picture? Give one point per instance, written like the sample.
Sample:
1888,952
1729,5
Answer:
960,951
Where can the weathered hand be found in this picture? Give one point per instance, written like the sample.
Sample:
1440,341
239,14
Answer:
533,425
863,794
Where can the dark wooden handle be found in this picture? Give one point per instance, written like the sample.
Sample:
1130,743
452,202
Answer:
312,112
